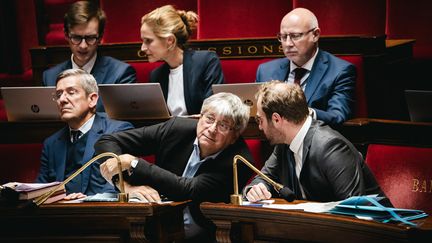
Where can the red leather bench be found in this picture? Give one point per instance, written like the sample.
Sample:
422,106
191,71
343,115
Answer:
404,173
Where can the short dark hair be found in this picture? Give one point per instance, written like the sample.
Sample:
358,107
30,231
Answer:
286,99
82,12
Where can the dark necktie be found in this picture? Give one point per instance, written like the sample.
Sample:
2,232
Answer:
75,134
298,75
294,180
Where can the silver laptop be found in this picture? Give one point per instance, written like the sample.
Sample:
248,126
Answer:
134,101
419,105
30,103
246,92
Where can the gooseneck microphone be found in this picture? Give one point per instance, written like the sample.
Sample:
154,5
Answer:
236,198
122,196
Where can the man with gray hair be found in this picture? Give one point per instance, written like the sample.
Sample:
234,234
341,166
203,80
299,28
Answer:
67,150
194,158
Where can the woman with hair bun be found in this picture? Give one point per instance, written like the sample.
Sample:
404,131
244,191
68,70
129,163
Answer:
187,76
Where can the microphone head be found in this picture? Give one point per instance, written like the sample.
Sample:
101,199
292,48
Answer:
287,194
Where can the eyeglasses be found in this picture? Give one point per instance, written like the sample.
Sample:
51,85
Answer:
293,36
89,39
70,92
220,125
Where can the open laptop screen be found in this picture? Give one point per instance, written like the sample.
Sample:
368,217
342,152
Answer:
30,103
246,92
134,101
419,105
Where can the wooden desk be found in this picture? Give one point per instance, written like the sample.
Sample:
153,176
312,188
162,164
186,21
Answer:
249,224
90,222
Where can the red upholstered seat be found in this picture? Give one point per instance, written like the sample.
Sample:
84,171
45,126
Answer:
255,146
54,11
241,70
143,70
404,173
356,17
241,18
124,17
360,108
3,115
20,162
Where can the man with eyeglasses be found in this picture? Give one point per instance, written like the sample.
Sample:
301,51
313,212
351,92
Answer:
84,26
68,149
328,81
193,159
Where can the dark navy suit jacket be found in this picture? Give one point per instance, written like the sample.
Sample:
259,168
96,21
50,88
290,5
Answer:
201,69
54,154
106,70
329,88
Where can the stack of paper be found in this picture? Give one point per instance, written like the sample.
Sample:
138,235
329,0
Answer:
27,191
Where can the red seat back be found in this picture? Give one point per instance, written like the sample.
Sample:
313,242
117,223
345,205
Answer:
143,70
360,107
241,70
20,162
404,174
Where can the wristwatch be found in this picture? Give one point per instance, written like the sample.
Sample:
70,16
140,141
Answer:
133,164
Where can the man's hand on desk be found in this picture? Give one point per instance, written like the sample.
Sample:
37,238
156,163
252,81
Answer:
143,193
258,192
73,196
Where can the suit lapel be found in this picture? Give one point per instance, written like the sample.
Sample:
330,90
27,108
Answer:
94,134
99,70
60,152
282,72
318,70
187,70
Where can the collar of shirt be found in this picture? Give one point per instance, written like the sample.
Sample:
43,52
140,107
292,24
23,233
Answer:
308,66
296,147
195,161
88,66
86,126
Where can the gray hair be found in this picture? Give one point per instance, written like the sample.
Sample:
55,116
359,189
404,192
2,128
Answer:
230,106
87,81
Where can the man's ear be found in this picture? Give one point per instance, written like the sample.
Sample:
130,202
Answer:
93,99
316,34
276,118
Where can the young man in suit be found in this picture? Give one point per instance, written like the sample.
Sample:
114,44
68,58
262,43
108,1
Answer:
67,150
194,159
84,25
316,162
327,81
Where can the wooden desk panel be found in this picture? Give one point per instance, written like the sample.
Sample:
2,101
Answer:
90,222
249,224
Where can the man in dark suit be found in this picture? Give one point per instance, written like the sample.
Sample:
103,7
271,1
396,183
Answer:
327,81
194,158
310,158
71,147
84,26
